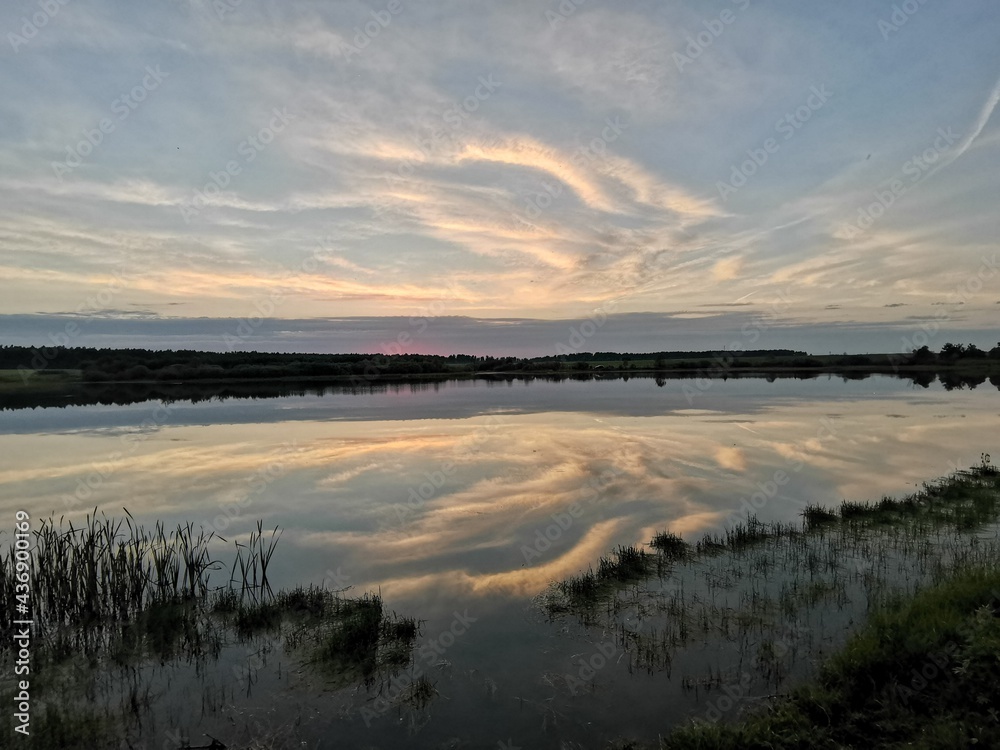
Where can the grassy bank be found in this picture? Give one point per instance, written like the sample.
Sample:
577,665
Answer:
923,673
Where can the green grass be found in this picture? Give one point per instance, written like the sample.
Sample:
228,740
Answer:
14,381
922,673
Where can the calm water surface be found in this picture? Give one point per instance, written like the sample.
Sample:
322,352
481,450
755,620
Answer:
462,501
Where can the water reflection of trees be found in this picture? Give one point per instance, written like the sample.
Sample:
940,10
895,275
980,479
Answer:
954,381
125,393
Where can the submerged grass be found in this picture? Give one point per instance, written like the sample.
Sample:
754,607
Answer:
771,600
348,639
53,726
923,673
623,565
670,546
966,500
88,580
110,595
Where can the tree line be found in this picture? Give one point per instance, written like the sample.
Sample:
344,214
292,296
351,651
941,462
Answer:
107,364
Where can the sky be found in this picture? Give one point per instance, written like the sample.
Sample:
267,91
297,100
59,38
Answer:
493,177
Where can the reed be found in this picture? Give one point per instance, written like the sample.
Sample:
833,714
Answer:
252,560
111,596
107,571
116,587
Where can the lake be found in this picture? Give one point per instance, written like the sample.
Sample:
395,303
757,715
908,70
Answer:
461,502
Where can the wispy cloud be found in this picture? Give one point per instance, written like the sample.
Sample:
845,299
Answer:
516,166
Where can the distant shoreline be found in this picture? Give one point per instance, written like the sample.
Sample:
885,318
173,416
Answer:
58,389
26,370
49,378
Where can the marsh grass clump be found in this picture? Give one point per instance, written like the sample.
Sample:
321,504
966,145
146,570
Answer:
815,516
965,499
313,601
357,630
360,639
581,588
744,535
250,615
404,629
753,531
251,618
625,564
710,544
670,546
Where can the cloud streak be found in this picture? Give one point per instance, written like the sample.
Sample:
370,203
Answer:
487,156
